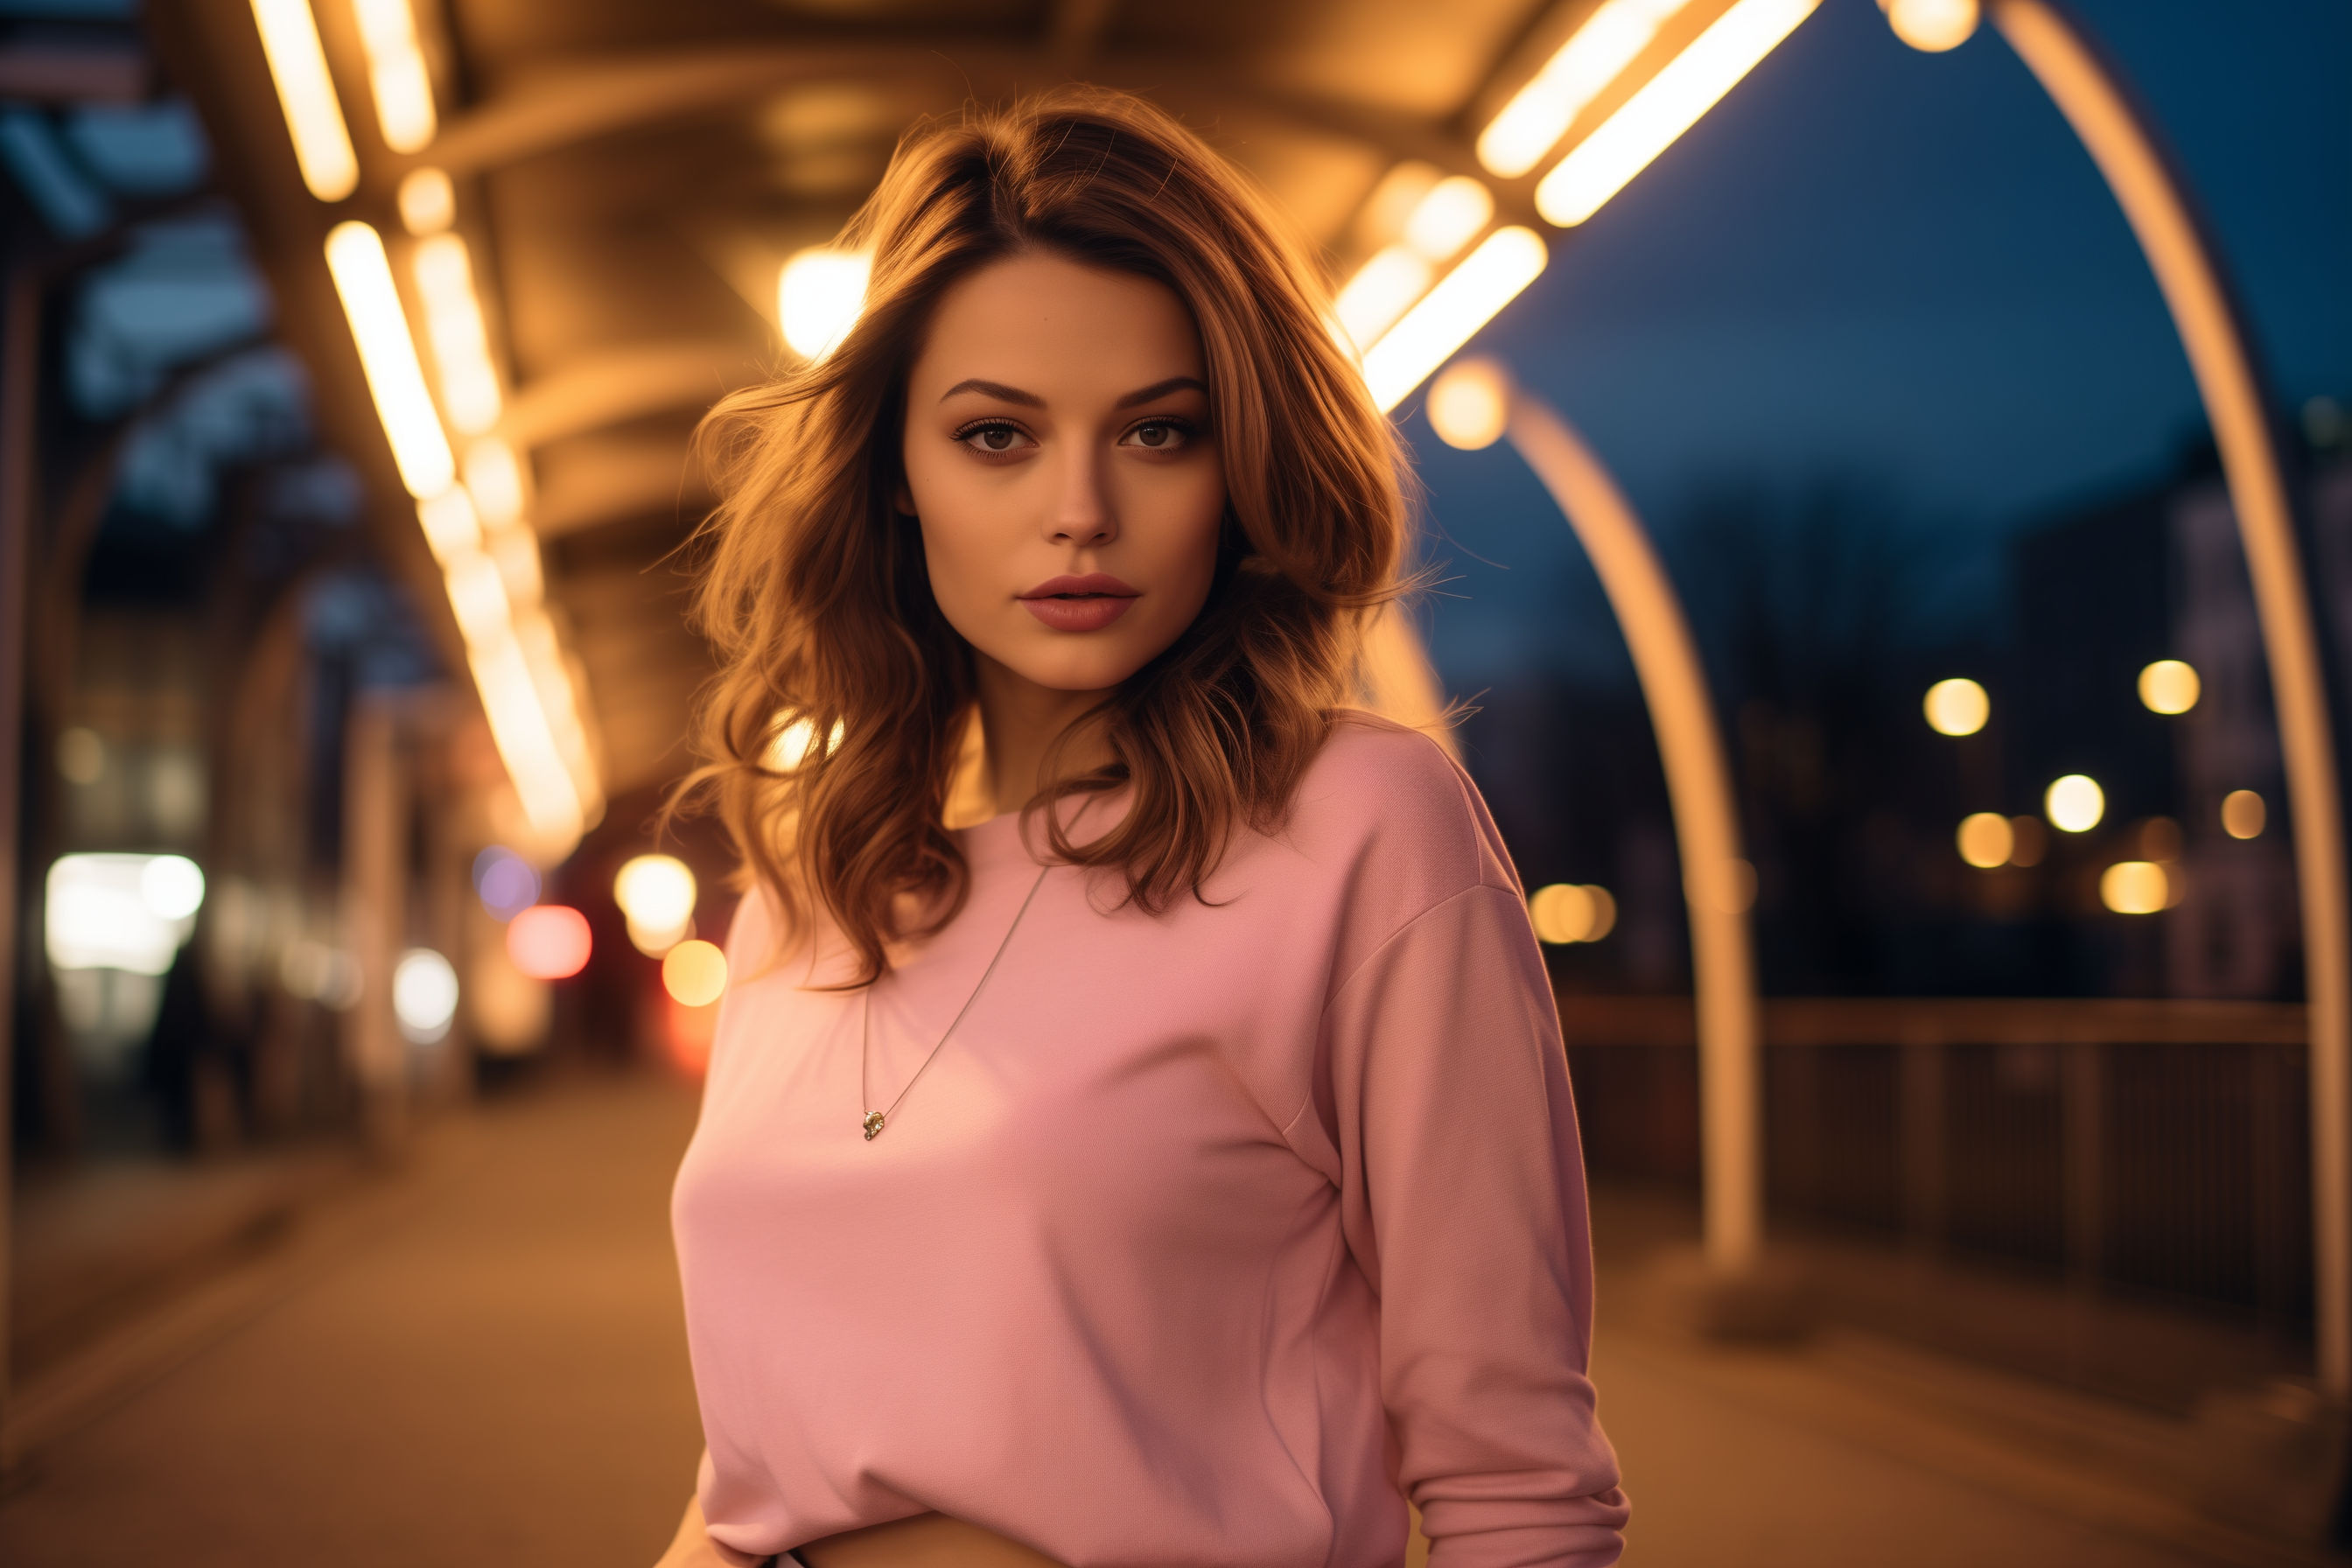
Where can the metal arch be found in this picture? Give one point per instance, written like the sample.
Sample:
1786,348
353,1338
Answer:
1715,878
2122,139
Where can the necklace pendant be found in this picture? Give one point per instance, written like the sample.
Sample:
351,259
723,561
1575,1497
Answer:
873,1125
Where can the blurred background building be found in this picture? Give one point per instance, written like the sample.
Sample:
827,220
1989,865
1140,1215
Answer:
349,358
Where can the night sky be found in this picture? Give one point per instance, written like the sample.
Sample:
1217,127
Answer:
1901,273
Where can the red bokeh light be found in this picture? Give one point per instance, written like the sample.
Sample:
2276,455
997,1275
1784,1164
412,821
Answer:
549,942
686,1035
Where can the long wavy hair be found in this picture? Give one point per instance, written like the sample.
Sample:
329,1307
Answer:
833,731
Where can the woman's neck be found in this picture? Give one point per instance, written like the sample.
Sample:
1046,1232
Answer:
1020,720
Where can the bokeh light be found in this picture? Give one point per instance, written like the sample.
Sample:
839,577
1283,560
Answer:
1567,912
424,995
2169,687
2244,815
2075,803
1956,707
172,886
549,942
695,974
1470,404
1987,840
2135,886
793,742
505,882
819,294
1932,25
657,892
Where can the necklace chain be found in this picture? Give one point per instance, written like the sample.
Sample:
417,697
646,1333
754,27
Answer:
874,1120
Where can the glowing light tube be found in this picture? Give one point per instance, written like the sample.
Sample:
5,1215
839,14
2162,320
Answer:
1539,113
1488,279
306,93
1669,103
388,354
526,743
396,73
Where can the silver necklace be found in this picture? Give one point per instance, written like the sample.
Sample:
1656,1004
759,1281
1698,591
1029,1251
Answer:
874,1120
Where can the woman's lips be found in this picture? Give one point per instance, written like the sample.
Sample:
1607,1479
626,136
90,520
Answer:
1085,604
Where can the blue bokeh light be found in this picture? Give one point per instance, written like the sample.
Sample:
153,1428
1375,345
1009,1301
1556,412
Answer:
506,882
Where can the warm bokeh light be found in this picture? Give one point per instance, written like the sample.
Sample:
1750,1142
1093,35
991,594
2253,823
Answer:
1932,25
657,893
1539,113
1383,288
2244,815
2169,687
2075,803
477,598
1465,299
1668,104
444,270
395,378
549,942
819,294
452,529
1985,839
1469,404
2135,886
793,743
553,799
424,995
686,1035
515,552
81,754
396,73
2029,840
428,201
1956,707
1449,218
494,478
695,974
505,882
1567,912
306,93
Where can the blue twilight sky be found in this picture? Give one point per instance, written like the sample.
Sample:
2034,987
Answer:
1901,268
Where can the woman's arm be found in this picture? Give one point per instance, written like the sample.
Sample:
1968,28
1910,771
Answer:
1464,1202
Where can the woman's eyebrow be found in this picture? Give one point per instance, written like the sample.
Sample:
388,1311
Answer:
1162,389
998,390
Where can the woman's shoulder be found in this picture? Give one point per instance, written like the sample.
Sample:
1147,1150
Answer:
1389,804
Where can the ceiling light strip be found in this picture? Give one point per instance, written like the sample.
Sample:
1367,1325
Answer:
306,93
1488,279
1668,104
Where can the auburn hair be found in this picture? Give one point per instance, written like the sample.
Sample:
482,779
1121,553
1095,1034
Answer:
833,731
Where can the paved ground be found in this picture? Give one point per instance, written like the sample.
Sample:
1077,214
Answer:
482,1364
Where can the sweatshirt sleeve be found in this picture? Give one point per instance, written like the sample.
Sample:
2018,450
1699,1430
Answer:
1463,1201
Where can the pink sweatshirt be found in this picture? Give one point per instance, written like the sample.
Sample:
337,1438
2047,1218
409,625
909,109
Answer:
1207,1237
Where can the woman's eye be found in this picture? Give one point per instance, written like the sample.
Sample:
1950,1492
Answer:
1159,435
992,439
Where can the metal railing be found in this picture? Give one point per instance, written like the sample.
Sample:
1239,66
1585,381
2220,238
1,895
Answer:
2146,1151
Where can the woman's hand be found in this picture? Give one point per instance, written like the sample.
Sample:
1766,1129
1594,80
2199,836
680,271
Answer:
693,1548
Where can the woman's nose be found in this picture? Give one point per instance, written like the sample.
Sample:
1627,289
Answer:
1082,511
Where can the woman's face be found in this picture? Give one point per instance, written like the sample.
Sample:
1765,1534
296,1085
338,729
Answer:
1059,459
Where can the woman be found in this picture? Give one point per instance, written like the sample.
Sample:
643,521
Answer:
1174,1165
